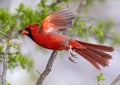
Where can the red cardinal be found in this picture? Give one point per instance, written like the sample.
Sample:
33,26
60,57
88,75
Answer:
46,35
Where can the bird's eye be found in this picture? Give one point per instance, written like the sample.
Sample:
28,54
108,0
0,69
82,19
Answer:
28,29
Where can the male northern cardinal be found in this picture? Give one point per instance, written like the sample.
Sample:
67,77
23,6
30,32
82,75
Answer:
46,35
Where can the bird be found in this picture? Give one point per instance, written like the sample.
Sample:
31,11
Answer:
47,35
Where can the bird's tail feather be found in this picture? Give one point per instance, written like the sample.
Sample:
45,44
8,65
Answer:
95,54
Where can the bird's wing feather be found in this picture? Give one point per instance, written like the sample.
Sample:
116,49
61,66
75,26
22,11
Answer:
58,21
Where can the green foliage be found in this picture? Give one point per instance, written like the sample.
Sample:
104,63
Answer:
27,15
100,77
101,30
1,47
66,0
82,29
98,32
116,38
79,28
6,20
18,59
105,25
90,2
8,83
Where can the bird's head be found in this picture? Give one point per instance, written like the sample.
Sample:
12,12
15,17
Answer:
29,30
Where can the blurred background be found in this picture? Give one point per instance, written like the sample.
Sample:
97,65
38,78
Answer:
97,13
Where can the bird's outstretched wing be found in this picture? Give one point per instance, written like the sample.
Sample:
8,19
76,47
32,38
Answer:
58,21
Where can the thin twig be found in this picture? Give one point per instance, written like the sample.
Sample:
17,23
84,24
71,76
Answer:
2,53
4,70
38,72
3,33
98,83
47,69
80,7
115,81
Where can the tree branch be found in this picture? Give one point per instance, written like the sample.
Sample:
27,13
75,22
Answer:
4,68
80,7
47,69
2,53
115,81
54,53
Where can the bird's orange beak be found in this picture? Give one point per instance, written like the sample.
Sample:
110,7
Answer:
24,32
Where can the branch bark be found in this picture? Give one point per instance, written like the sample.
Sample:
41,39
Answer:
115,81
47,69
54,53
80,7
2,53
4,68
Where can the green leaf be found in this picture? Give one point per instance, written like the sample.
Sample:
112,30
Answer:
21,8
6,20
98,31
83,24
100,77
9,42
116,38
8,83
1,47
18,59
54,7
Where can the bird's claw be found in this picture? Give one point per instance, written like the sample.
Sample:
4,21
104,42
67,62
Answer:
72,60
72,56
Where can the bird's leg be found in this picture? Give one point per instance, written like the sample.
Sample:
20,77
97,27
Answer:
71,55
